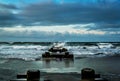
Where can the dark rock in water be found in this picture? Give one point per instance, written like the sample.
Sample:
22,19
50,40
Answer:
57,49
33,75
58,56
57,52
37,59
88,73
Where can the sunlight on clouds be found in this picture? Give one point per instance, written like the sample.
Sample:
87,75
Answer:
76,29
95,32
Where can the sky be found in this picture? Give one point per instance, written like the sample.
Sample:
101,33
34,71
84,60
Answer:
60,20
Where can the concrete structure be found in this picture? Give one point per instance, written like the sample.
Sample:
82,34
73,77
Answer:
87,74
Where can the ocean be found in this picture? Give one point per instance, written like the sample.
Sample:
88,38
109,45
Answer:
18,57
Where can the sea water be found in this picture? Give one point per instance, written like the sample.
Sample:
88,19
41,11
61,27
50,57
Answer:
19,57
32,51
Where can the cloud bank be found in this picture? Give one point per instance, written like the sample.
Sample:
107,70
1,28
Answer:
75,18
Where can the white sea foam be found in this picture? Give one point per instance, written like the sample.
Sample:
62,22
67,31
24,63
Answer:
3,61
31,52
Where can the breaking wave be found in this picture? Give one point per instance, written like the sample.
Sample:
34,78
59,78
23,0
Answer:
31,52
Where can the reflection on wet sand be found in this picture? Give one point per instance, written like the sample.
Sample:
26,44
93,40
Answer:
69,63
48,63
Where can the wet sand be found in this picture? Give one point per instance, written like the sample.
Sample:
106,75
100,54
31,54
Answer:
108,67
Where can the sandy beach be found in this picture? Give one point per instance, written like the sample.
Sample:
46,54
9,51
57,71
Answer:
108,67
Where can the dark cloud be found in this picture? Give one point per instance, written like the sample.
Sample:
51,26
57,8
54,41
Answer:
8,19
112,26
7,16
103,14
71,13
50,13
7,6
